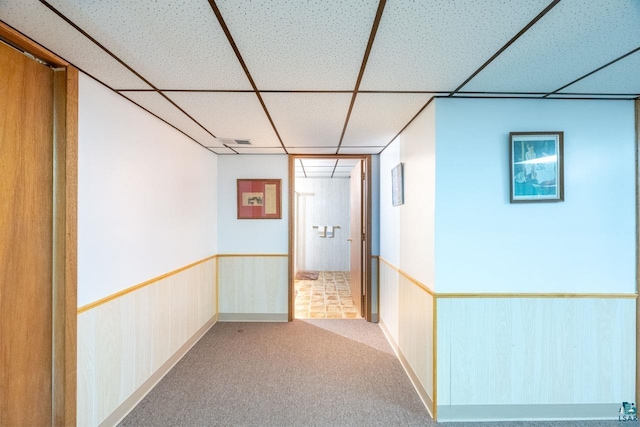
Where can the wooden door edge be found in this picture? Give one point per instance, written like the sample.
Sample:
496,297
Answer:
64,298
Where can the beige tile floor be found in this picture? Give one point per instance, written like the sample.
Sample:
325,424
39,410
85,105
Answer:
329,297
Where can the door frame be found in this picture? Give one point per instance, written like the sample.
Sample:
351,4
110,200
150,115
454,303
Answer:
65,193
367,218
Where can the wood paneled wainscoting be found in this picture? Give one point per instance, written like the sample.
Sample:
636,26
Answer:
128,341
253,287
482,357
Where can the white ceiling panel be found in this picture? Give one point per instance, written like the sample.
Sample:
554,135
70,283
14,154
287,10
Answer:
259,150
174,45
326,162
436,45
573,39
378,117
308,119
312,150
155,103
229,115
315,45
621,77
360,150
45,27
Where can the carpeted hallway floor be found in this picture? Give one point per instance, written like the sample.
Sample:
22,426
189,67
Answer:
304,373
285,374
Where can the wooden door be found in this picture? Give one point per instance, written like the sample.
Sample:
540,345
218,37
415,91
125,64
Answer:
26,240
356,233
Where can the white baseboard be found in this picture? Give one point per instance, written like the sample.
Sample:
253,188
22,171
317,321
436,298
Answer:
132,401
253,317
422,392
566,412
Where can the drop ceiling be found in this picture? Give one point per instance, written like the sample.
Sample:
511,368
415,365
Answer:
334,76
324,167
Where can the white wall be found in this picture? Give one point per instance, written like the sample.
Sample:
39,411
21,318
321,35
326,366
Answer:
407,245
146,195
147,205
584,244
407,231
322,202
251,236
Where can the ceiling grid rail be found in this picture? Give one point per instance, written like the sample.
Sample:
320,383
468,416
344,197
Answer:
594,71
218,14
509,43
372,36
128,67
114,90
357,126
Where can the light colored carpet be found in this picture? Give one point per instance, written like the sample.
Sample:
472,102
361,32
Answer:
304,373
284,374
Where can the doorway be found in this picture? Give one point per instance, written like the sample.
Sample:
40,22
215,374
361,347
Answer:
329,231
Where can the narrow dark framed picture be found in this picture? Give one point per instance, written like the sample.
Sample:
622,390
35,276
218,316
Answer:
397,185
537,166
259,199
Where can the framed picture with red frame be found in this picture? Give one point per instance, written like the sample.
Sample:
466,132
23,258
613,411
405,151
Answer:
259,199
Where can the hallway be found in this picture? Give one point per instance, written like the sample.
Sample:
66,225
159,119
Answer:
304,373
314,372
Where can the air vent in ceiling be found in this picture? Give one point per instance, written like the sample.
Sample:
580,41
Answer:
231,141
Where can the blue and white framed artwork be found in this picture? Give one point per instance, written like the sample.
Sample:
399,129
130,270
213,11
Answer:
536,160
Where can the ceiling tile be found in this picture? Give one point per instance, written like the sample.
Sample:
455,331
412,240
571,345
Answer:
326,162
436,45
259,150
229,115
378,117
315,45
360,150
573,39
155,103
308,119
621,77
45,27
312,150
174,45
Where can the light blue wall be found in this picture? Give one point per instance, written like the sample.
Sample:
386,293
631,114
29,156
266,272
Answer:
584,244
